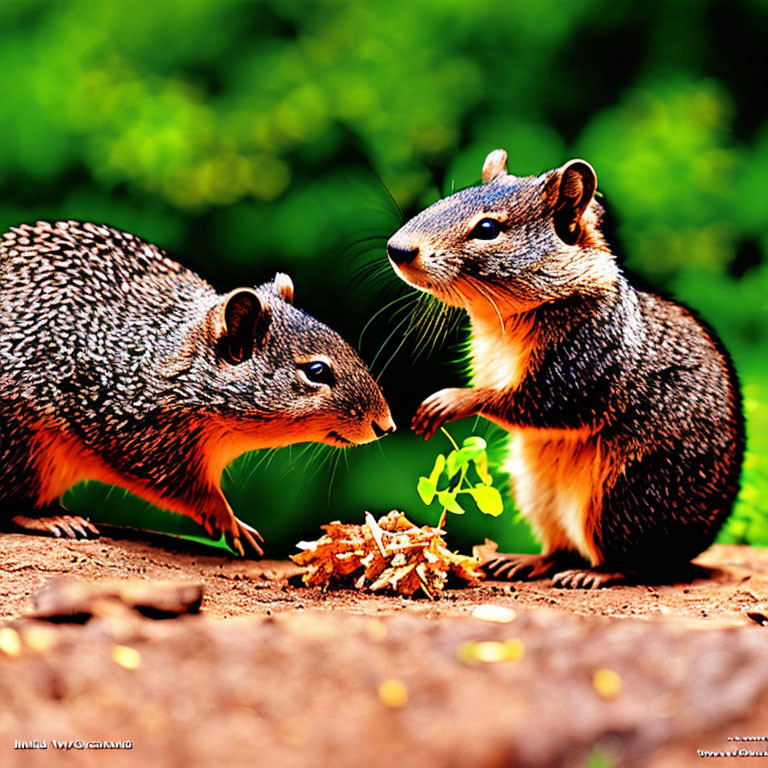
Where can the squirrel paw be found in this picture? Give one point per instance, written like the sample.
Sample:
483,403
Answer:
588,578
514,567
445,405
66,526
242,532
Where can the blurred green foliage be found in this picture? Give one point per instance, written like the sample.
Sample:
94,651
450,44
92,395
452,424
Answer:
245,136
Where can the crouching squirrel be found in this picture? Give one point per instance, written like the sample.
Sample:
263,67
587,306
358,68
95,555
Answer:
623,408
118,364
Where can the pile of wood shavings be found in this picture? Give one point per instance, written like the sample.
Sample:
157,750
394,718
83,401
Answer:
391,555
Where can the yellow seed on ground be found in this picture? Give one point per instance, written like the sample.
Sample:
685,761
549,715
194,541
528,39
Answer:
40,639
515,649
126,657
490,651
607,683
497,614
393,693
10,642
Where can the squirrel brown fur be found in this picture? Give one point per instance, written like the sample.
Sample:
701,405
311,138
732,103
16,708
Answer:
118,364
624,410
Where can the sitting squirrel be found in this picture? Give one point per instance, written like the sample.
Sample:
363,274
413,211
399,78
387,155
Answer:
624,410
120,365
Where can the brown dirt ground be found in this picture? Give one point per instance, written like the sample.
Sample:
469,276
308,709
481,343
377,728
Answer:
271,674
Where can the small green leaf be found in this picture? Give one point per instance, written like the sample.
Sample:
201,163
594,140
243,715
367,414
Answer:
469,452
473,447
458,460
426,489
437,469
488,499
453,463
481,465
448,500
475,442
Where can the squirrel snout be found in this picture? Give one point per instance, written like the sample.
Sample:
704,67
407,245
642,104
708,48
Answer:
401,255
385,430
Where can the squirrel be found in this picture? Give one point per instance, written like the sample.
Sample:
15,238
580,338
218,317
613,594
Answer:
120,365
623,408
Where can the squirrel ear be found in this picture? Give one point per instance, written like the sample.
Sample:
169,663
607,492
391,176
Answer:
238,320
284,287
576,188
494,165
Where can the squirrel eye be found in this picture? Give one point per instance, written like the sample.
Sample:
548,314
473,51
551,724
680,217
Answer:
318,372
486,229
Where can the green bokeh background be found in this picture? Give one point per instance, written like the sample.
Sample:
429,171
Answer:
246,137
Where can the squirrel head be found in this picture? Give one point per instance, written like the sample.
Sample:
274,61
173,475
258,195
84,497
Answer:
510,244
261,361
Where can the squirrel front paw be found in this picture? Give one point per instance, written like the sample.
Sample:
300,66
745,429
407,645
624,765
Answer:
246,541
445,405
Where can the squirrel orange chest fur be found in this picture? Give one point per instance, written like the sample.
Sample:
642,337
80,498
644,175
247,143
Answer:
557,475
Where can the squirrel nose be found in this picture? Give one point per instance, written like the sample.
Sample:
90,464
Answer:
380,431
402,255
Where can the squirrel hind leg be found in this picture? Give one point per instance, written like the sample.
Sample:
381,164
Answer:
517,567
59,525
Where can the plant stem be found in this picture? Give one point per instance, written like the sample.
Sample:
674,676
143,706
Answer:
447,434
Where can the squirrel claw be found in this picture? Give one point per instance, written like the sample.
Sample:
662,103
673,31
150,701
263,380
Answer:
60,526
587,579
245,527
243,531
518,568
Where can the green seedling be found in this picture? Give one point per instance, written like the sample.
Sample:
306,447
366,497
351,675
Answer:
452,472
